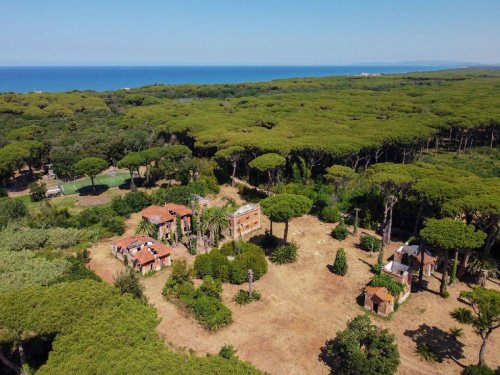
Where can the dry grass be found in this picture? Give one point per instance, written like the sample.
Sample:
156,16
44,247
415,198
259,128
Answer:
303,305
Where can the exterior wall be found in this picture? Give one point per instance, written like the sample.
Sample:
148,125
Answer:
244,223
384,308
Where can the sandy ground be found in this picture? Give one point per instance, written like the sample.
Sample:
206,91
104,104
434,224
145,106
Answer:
303,305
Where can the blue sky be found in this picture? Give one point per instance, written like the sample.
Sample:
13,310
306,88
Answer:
256,32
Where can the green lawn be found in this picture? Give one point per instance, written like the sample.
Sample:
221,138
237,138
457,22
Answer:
73,187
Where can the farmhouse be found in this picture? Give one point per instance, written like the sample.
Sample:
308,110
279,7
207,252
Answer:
378,300
244,220
165,218
402,274
142,253
411,256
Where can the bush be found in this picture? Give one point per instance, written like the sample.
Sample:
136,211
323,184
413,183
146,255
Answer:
340,264
209,311
389,283
128,282
115,225
252,258
233,248
478,370
284,254
11,209
425,352
62,238
370,243
120,207
217,265
340,232
462,315
330,214
227,352
211,287
18,239
136,200
243,298
37,191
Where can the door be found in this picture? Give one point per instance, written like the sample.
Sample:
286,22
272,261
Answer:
375,308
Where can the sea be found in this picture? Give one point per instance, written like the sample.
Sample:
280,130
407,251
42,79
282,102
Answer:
106,78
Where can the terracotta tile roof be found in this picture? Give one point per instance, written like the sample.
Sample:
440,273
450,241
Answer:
177,209
157,214
380,292
133,241
146,255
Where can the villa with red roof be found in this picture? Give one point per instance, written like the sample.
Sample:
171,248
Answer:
143,253
164,217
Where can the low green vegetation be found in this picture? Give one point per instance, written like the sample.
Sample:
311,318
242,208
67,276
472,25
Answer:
370,243
425,352
244,298
285,254
246,256
92,328
386,281
203,302
340,232
340,264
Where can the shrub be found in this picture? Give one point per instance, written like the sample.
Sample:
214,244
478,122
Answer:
17,239
136,200
203,265
284,254
252,258
120,207
370,243
389,283
227,352
211,287
62,238
462,315
115,225
243,298
340,232
340,264
478,370
330,214
233,248
128,282
37,191
209,311
11,209
425,352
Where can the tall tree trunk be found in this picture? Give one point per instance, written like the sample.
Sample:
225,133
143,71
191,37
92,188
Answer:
490,240
271,227
384,222
22,357
421,271
132,185
233,175
454,267
285,235
418,219
389,224
483,346
93,185
7,363
444,280
465,263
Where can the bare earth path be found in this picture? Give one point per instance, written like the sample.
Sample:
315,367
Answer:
303,305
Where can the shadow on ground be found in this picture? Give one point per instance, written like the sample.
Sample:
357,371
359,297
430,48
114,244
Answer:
443,344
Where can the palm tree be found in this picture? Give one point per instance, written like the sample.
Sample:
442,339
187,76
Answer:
215,221
146,228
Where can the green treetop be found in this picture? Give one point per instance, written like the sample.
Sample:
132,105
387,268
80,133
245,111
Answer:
132,162
231,155
91,167
268,163
448,234
284,207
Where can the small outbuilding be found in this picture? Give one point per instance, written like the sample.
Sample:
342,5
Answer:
378,300
244,220
411,255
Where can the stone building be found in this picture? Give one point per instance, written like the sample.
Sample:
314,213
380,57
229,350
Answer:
378,300
244,220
